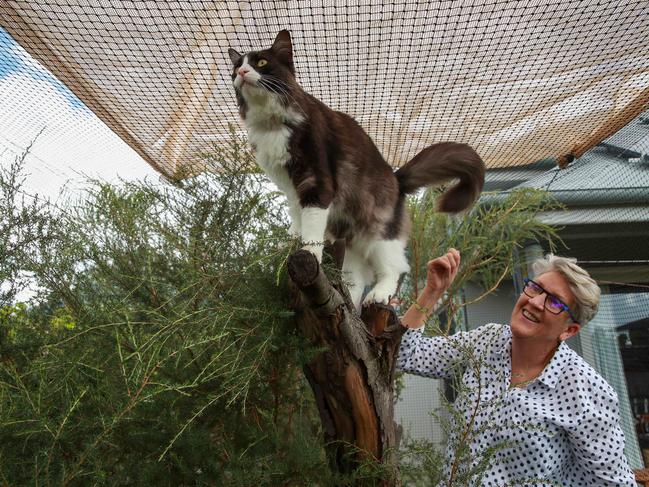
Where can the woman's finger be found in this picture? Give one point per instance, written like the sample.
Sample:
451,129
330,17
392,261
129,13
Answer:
455,255
444,262
447,263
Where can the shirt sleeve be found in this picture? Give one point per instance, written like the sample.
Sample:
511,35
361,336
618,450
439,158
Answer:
598,443
440,356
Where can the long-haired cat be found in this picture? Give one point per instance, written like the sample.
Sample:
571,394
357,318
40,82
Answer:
337,183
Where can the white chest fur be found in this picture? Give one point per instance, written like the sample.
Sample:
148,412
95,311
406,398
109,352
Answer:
267,132
270,136
272,155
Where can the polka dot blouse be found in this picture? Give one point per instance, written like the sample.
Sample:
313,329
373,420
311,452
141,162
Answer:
561,429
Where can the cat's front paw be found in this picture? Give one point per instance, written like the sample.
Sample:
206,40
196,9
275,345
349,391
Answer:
315,250
377,295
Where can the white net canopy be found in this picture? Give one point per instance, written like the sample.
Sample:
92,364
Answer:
519,81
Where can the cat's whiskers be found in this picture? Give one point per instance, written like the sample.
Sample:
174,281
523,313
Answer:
277,81
278,88
282,91
274,88
281,97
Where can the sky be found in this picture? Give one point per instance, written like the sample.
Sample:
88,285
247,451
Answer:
69,143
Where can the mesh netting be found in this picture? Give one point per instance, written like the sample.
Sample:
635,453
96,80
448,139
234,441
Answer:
611,343
520,81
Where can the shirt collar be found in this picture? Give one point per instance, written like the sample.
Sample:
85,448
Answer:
552,372
507,346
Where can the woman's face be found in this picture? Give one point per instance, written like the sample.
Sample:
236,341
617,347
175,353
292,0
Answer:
531,320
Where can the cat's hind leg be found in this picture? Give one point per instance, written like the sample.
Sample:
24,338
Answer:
388,261
357,274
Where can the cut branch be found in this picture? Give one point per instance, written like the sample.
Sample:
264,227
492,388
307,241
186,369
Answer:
353,379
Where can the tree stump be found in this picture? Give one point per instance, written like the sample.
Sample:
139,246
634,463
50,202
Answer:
353,379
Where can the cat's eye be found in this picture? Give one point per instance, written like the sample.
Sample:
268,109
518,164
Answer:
261,63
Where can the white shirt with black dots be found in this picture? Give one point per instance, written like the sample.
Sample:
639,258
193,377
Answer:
562,429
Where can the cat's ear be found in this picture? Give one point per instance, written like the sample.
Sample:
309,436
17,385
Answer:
283,47
234,56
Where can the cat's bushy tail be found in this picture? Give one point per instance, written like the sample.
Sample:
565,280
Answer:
442,162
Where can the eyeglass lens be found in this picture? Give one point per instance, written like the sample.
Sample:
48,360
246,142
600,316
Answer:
552,303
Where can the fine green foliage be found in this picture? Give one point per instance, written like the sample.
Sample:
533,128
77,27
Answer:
24,221
487,236
159,349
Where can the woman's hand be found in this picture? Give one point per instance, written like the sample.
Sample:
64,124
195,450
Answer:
440,275
442,272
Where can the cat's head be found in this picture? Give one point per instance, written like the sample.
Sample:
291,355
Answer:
270,70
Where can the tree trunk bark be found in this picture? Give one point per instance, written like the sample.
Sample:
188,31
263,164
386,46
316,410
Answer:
353,380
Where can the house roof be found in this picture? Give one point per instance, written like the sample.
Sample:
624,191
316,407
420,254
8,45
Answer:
634,136
597,177
596,216
605,194
614,173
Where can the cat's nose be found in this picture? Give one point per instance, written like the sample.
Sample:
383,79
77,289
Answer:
242,71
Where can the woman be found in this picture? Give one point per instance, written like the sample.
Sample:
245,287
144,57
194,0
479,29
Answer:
558,417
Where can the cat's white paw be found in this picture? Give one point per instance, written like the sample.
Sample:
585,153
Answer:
315,250
378,294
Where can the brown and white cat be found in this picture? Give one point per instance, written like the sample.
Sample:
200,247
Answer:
337,183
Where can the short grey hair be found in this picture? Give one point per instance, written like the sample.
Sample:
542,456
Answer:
583,287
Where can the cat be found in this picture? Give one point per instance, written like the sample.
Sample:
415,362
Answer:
337,183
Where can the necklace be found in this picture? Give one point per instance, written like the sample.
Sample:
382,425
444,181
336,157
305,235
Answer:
529,381
525,382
